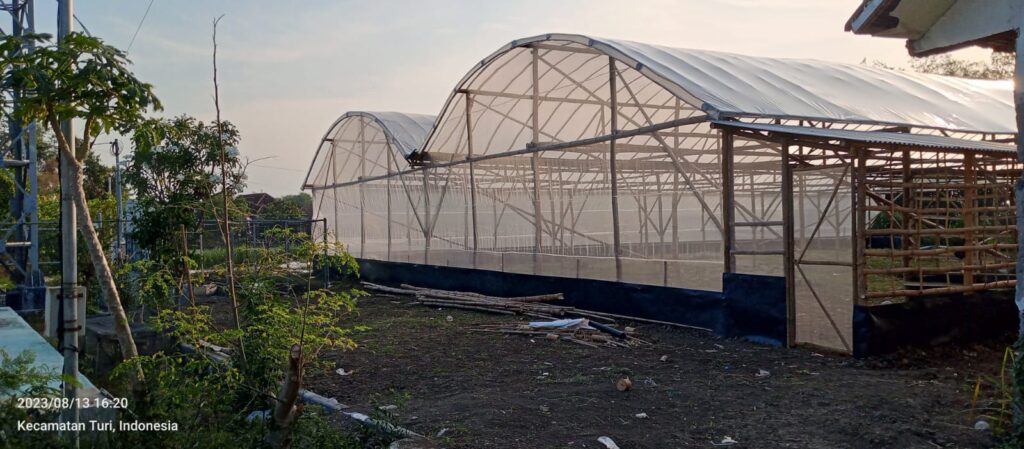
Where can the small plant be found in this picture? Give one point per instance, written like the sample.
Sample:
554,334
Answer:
211,394
20,379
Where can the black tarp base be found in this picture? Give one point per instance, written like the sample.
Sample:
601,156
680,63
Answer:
751,307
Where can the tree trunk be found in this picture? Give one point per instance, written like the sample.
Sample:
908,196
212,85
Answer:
104,274
286,411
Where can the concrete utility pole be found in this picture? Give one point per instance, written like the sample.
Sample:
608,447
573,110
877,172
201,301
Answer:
69,241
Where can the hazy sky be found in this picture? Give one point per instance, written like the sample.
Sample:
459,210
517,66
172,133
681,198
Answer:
288,69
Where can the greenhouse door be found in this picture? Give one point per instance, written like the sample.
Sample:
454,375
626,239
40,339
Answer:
820,278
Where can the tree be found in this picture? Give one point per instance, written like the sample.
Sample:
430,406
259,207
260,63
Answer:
174,172
81,78
289,207
999,67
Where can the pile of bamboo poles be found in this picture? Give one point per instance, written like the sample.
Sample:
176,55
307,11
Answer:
581,335
531,306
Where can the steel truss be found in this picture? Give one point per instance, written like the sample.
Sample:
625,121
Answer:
19,242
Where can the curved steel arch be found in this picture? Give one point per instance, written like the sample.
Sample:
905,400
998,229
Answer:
405,132
731,85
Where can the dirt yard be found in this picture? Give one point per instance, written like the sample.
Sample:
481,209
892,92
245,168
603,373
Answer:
483,390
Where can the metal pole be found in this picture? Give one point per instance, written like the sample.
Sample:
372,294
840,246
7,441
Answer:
69,241
538,237
614,122
116,148
326,267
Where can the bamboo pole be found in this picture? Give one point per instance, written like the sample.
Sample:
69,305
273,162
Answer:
789,260
938,251
945,269
943,290
728,200
969,216
859,217
945,231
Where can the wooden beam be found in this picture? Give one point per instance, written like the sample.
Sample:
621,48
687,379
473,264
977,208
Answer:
728,203
788,245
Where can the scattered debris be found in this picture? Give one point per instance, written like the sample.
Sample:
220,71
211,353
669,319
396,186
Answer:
520,305
581,331
981,425
726,441
413,443
441,432
663,358
387,408
641,415
648,382
608,443
761,373
342,372
545,409
449,318
624,384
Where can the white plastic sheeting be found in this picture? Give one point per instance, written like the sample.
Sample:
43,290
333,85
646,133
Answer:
400,133
726,84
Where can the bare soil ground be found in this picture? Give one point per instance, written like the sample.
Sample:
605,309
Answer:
508,391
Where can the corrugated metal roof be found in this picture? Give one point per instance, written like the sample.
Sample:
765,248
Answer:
878,137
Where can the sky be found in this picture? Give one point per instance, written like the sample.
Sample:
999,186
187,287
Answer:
288,69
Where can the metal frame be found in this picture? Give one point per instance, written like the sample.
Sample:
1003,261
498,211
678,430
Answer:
19,248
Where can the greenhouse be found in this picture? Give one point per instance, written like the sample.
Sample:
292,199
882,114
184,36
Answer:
575,157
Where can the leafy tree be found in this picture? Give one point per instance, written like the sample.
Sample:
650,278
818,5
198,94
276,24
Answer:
999,67
289,207
81,78
175,173
96,177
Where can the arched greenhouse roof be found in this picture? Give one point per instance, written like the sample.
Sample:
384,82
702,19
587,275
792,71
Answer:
400,133
727,85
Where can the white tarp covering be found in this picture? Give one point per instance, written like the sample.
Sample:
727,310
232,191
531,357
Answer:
398,132
736,85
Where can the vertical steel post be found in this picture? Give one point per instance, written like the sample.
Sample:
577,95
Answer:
69,240
614,122
23,235
391,165
534,162
362,194
472,171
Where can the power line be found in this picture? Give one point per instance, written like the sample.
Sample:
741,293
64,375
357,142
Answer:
141,21
277,168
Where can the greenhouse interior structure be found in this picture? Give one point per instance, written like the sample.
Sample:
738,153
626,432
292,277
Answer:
845,189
